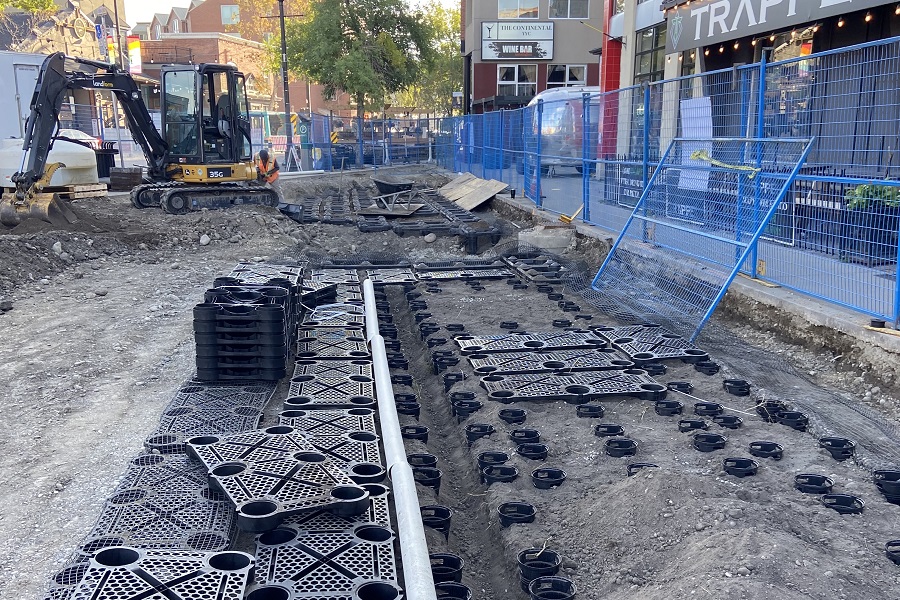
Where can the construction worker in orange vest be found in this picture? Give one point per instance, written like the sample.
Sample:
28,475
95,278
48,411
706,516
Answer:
265,170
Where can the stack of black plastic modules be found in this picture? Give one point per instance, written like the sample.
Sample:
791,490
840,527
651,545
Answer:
246,325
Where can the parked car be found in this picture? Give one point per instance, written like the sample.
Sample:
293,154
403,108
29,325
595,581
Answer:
81,137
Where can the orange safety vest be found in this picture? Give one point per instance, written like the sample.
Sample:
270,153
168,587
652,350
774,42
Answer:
264,169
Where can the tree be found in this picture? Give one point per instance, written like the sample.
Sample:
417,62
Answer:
433,92
19,17
253,25
366,48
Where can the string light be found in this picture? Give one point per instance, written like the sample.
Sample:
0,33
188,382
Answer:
680,57
841,22
772,38
721,49
897,10
706,52
753,43
669,58
815,29
868,17
793,34
736,45
692,55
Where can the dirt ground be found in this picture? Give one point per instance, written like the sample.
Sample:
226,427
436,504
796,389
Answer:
99,338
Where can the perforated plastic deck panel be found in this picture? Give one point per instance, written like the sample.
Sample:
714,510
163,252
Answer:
378,513
464,274
333,368
348,448
182,422
649,342
124,573
213,397
334,276
174,472
336,315
338,346
329,422
519,342
329,561
391,276
332,390
576,386
510,363
158,518
273,473
263,273
540,269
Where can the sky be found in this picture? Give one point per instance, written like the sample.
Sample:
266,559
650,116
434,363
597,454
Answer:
143,10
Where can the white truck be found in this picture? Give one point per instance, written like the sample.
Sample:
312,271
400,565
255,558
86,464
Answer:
20,70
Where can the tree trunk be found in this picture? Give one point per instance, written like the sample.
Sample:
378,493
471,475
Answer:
360,114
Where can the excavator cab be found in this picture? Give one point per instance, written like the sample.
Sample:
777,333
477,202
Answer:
206,122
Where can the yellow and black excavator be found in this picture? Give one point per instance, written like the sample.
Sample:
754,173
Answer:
202,157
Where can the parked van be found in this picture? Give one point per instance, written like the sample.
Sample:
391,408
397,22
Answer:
561,128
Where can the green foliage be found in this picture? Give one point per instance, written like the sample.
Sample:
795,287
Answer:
367,48
433,92
871,196
41,7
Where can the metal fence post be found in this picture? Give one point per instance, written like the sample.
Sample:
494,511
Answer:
502,144
537,171
646,157
645,176
760,134
585,154
484,145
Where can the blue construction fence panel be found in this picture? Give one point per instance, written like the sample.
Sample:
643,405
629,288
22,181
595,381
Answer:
833,236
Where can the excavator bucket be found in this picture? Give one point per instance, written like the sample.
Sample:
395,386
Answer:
44,206
34,204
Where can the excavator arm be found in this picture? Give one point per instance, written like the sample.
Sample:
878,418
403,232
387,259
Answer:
54,80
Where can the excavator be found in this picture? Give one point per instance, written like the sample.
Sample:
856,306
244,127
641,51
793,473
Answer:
201,158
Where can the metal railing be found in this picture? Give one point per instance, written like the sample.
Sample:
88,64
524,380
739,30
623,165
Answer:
834,236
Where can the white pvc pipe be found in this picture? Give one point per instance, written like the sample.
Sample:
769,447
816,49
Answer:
419,583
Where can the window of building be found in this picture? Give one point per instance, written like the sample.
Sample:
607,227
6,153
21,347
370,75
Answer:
618,7
688,60
517,9
565,75
516,80
650,58
569,9
176,26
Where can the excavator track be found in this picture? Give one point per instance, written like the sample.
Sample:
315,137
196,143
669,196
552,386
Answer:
147,195
183,199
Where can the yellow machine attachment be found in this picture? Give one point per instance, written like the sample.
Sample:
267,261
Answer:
35,204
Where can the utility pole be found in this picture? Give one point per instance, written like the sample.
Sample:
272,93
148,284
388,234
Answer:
290,162
121,57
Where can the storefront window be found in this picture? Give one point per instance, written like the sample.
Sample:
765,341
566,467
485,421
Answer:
569,9
516,80
517,9
565,75
650,58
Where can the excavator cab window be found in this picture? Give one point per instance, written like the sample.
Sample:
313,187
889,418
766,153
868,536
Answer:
180,104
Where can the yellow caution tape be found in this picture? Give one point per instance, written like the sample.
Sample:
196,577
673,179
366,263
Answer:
704,155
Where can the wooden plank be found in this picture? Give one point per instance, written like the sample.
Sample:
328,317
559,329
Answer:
464,189
484,192
82,195
458,181
82,187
